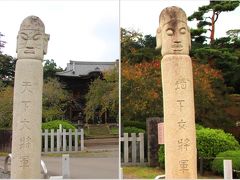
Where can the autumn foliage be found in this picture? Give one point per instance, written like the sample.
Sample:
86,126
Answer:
141,91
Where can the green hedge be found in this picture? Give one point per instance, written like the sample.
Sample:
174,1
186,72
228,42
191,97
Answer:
137,124
161,156
55,125
217,165
210,142
133,130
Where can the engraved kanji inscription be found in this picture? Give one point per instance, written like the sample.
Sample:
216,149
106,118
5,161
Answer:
24,161
25,142
183,165
183,144
26,87
181,84
26,105
24,124
180,104
182,124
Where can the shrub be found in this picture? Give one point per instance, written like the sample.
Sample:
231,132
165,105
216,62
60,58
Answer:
133,130
137,124
55,125
210,142
217,165
198,127
161,156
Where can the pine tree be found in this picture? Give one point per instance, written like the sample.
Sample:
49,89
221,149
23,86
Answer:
2,43
207,16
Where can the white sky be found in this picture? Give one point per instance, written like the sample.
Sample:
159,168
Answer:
143,15
88,30
79,30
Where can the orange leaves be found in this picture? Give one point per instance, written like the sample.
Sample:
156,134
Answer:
204,76
141,90
141,70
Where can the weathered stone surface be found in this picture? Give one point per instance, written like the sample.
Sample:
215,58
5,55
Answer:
173,34
27,102
178,100
4,175
152,136
32,42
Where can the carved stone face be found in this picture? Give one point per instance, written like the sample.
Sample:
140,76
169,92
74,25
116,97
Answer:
173,34
32,40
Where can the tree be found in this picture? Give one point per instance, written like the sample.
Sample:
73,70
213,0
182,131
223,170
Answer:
141,91
223,54
55,100
2,43
208,15
7,68
103,95
234,34
50,68
136,48
6,107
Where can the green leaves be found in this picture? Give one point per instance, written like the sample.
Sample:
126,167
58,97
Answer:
210,142
207,20
7,68
103,96
6,107
50,68
55,100
136,48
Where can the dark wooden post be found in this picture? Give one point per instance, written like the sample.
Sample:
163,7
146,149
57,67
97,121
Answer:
152,140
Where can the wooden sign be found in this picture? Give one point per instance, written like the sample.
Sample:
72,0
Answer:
160,133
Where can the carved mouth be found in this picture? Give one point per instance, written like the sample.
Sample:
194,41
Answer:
177,47
177,50
29,52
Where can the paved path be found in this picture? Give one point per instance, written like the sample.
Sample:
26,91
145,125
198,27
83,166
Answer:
87,165
85,168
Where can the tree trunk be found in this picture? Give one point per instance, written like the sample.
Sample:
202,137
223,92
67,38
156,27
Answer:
213,28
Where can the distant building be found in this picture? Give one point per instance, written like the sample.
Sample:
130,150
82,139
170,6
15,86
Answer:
77,78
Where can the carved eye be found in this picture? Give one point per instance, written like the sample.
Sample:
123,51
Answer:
24,36
183,30
169,32
36,37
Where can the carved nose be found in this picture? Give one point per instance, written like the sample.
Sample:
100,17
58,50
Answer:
29,44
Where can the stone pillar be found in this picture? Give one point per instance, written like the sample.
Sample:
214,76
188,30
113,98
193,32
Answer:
27,102
152,139
173,37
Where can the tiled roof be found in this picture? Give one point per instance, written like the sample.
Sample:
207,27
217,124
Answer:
83,68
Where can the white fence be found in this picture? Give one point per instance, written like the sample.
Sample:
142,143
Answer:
62,141
133,148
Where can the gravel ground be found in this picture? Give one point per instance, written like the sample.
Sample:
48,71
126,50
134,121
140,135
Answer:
4,175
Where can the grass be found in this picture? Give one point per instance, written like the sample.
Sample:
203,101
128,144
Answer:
102,130
140,172
114,131
90,154
143,172
3,153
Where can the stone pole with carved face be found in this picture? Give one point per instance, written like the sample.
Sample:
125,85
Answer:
173,37
27,103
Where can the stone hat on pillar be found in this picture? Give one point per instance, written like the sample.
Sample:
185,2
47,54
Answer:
32,23
172,13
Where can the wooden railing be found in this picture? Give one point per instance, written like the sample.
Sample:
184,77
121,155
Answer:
62,141
133,148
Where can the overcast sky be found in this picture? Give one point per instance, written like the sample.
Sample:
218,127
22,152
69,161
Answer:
89,30
143,15
79,30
